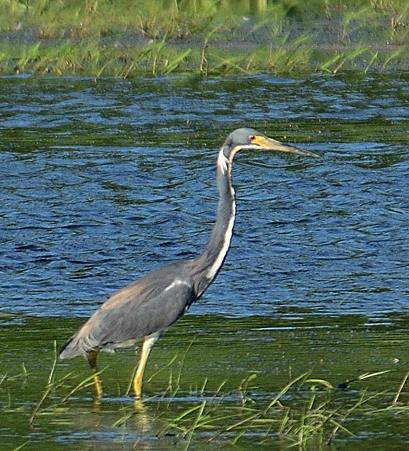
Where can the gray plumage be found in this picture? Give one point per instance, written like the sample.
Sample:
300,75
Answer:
151,304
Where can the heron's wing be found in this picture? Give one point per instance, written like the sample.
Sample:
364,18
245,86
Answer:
131,318
149,305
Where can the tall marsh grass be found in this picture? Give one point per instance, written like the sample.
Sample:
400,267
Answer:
208,37
306,412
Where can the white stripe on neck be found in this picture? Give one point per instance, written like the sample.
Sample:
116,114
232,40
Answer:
223,163
223,251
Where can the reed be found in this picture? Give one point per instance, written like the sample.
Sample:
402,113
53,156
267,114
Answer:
130,38
307,412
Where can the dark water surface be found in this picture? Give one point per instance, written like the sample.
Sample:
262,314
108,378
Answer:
102,181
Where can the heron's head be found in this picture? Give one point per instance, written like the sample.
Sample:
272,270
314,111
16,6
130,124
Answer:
250,139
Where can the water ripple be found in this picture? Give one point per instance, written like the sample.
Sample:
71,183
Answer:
103,181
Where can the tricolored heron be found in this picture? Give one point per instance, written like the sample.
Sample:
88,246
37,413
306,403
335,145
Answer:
146,308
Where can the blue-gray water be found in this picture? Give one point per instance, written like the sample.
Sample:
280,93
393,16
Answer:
101,181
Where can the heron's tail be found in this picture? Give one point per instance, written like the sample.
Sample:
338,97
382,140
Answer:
69,349
78,344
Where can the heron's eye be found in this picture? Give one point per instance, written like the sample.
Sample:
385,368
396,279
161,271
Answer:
252,138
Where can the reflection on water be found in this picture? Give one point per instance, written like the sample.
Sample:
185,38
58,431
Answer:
188,366
102,181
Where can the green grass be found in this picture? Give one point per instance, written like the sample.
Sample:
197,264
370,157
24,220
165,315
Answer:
128,38
306,412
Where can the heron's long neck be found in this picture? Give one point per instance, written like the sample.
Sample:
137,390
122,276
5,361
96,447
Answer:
209,263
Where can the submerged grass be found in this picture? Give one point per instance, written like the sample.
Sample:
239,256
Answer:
307,411
304,412
128,38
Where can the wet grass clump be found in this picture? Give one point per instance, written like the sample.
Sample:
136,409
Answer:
307,412
129,38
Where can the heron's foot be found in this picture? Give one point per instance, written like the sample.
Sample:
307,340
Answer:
137,386
99,391
92,360
139,406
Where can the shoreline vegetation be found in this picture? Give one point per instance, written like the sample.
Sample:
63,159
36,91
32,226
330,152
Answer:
128,38
305,413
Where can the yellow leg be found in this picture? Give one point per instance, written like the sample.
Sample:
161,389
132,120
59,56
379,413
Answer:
147,345
92,360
